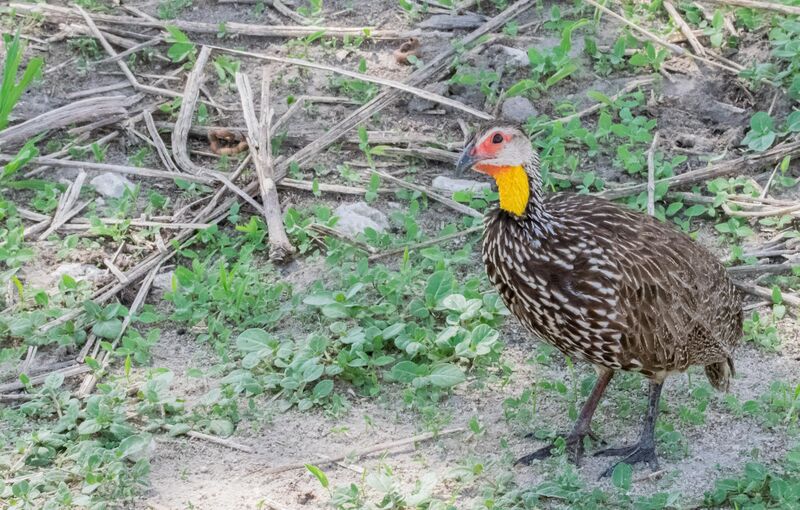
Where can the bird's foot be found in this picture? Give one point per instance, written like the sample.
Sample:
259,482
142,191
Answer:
634,454
573,449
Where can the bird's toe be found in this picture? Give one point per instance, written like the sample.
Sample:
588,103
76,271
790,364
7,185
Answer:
636,454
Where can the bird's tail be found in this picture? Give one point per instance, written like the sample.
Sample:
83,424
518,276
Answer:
720,373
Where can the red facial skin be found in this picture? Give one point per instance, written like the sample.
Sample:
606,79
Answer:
488,150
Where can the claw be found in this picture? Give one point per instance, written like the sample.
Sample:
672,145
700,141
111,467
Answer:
573,449
634,454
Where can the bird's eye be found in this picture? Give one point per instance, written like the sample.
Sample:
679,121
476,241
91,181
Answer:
497,138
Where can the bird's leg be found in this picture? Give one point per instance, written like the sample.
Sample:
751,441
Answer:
645,449
581,429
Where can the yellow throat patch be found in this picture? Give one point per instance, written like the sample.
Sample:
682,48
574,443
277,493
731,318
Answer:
513,186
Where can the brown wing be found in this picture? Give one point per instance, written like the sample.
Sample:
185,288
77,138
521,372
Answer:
677,303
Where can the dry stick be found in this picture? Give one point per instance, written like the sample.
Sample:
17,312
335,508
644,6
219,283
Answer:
430,96
770,6
161,148
99,90
425,244
658,40
792,209
738,165
684,28
213,28
88,383
120,169
432,69
183,123
762,269
85,110
70,371
766,293
213,439
61,215
84,224
651,176
122,65
630,86
259,143
463,209
133,49
360,452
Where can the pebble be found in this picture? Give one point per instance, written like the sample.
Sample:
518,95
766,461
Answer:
111,185
448,185
355,217
518,109
515,57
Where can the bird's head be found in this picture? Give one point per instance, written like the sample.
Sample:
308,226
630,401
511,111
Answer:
505,153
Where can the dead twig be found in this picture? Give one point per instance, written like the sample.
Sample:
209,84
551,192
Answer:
79,112
430,96
183,123
685,29
790,299
737,165
260,150
120,169
463,209
752,4
322,461
425,244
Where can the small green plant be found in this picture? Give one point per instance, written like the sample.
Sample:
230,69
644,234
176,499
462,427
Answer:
181,48
226,68
169,9
312,10
11,89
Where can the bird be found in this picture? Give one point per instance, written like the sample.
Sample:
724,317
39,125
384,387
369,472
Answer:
604,284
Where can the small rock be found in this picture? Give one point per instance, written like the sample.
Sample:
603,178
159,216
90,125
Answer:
111,185
513,57
163,281
77,271
452,22
418,104
354,218
518,109
448,185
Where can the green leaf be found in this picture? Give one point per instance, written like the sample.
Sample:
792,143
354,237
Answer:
322,389
88,427
777,297
622,475
179,429
599,97
520,87
695,210
317,472
109,329
134,444
446,376
221,427
793,122
254,340
761,135
407,371
440,284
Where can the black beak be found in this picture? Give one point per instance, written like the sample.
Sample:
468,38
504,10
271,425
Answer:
466,160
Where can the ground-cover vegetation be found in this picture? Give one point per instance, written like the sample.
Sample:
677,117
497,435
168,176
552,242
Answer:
153,354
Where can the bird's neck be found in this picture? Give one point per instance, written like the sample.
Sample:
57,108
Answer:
521,195
537,217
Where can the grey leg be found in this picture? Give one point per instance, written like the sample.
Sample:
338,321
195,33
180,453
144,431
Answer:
645,449
581,429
